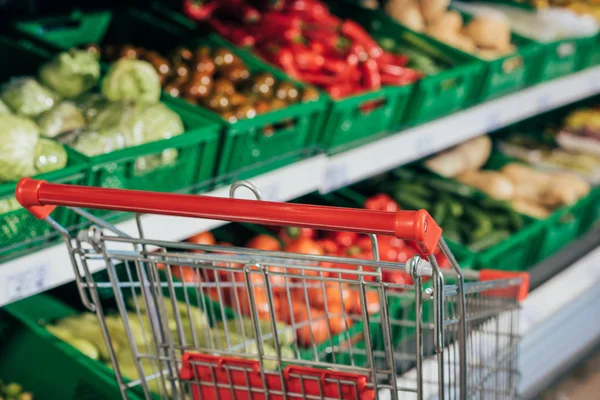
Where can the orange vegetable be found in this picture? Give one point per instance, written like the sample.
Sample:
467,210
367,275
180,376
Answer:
264,242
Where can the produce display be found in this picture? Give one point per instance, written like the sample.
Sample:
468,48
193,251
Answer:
310,44
13,391
486,36
214,78
465,219
581,131
83,332
531,192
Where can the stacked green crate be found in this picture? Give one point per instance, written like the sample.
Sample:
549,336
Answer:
21,232
196,149
501,76
247,148
450,89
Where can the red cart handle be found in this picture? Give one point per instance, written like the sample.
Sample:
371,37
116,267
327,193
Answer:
40,198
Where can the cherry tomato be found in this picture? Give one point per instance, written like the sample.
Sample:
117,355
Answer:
290,234
312,327
203,238
264,242
329,246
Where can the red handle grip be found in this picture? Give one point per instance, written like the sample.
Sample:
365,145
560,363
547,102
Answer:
412,225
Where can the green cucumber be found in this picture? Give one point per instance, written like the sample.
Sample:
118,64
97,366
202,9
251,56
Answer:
410,201
439,212
450,230
489,240
483,224
414,189
456,208
450,186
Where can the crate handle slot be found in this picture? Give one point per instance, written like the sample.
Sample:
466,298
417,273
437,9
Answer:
404,224
368,106
272,129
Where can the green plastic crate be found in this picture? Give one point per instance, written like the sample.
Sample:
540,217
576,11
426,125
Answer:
592,58
591,217
246,150
63,372
563,57
21,232
501,76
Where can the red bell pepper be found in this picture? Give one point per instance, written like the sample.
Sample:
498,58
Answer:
381,202
273,20
371,75
358,35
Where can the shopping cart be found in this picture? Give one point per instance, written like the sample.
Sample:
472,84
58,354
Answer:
205,321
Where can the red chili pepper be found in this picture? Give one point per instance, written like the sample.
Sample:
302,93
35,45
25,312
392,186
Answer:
358,35
239,12
316,47
307,60
199,11
406,79
359,51
274,19
340,90
381,202
392,59
335,65
371,75
233,34
320,79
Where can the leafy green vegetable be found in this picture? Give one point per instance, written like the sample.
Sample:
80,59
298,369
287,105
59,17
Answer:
18,139
157,122
49,156
4,108
9,204
90,104
62,118
25,96
71,73
93,143
129,79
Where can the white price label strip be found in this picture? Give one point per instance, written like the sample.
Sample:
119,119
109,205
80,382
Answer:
27,282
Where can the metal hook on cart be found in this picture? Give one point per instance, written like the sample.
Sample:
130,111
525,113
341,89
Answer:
248,185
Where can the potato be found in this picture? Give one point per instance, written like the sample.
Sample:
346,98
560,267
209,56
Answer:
489,32
433,10
493,183
406,12
464,43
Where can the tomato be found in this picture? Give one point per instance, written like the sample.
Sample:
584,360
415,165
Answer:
264,242
406,253
381,202
343,239
329,246
372,296
203,238
290,234
304,246
397,277
334,294
364,242
340,324
312,328
261,302
185,274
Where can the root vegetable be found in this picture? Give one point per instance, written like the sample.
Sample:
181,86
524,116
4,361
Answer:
406,12
493,183
433,10
489,32
452,20
470,155
530,208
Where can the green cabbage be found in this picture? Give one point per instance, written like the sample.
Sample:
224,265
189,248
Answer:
49,156
4,108
63,118
119,116
93,143
71,73
25,96
129,79
18,139
9,204
157,122
90,104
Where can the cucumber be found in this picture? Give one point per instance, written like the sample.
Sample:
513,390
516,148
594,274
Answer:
500,221
439,212
449,186
483,225
404,174
451,231
414,189
410,201
489,240
455,206
516,220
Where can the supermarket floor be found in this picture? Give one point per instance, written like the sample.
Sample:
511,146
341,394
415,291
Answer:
583,383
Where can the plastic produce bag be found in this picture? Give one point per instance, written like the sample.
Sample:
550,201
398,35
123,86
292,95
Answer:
25,96
71,73
94,143
132,80
49,156
18,140
62,118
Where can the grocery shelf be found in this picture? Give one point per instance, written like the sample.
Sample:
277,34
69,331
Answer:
48,268
51,267
411,144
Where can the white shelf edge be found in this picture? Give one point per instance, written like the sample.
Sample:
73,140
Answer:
559,320
51,267
411,144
